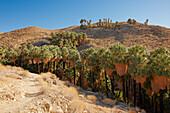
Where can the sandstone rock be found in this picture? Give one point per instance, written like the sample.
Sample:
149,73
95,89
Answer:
92,97
70,93
81,96
56,109
109,101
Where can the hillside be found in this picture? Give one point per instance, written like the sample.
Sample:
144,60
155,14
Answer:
128,34
149,36
22,91
1,33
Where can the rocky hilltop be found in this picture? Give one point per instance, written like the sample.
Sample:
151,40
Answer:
128,34
25,92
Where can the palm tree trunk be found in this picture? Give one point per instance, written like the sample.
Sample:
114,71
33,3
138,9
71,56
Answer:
14,63
161,102
127,89
20,62
93,88
134,93
152,108
49,66
64,65
155,105
80,77
140,94
32,62
54,68
74,75
38,67
112,85
56,72
43,65
93,80
124,94
107,89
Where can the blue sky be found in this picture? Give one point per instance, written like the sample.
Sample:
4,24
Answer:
54,14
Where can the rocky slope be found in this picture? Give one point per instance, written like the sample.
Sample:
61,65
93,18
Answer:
149,36
25,92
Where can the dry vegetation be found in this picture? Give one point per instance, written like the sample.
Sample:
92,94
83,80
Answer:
128,34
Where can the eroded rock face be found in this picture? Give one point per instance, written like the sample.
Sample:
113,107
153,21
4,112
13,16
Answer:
25,92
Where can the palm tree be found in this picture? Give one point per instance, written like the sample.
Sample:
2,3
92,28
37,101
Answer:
30,47
89,23
146,23
79,67
2,52
25,56
107,64
158,70
73,57
46,55
12,55
119,56
100,22
93,62
137,61
57,56
84,37
84,56
35,54
61,43
65,53
80,37
75,43
81,21
134,21
117,23
129,21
